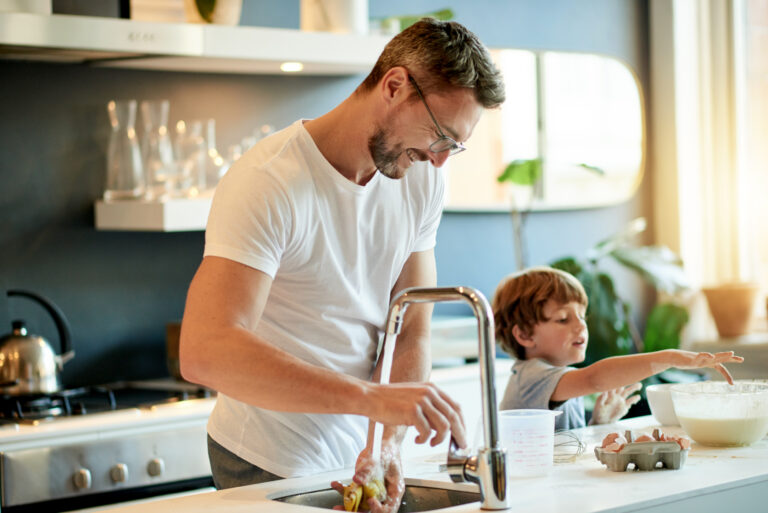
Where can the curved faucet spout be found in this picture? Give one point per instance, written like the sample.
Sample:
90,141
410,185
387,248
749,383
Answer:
488,468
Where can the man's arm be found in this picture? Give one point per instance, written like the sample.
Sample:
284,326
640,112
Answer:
218,349
412,358
411,362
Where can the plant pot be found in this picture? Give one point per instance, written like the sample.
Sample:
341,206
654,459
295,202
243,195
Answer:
220,12
732,306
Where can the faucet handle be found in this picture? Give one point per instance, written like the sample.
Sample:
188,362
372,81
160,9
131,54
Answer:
456,462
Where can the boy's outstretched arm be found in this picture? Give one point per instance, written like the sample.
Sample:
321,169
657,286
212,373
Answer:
619,371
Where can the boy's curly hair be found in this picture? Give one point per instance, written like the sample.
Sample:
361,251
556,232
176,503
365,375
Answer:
520,298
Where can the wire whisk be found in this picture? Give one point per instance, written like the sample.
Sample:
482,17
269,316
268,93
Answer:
568,446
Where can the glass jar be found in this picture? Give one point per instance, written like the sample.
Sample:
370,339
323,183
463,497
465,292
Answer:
125,173
157,150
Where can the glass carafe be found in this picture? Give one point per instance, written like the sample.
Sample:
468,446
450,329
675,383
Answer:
125,175
216,165
191,154
157,150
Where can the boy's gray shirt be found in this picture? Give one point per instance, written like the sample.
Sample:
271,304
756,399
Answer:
531,385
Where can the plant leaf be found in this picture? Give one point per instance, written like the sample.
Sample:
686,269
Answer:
663,327
597,170
658,265
521,172
205,8
622,238
569,265
408,20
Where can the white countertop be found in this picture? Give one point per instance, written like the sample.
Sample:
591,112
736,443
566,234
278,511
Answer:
711,480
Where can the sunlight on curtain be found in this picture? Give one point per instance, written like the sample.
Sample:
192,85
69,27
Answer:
710,90
755,129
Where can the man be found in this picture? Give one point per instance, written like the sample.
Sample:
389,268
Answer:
311,233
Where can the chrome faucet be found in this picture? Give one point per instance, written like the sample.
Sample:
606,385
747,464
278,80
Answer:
488,467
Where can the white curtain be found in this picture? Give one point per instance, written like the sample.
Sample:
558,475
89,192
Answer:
704,175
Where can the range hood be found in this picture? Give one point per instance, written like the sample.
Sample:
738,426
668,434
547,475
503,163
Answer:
182,47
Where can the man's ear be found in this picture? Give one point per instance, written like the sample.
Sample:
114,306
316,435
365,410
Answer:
394,84
522,338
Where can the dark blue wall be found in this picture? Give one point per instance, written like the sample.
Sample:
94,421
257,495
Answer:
118,289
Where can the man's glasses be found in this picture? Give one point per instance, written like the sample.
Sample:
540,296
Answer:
443,143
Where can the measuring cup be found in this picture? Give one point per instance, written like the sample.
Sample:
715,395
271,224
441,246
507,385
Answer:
529,437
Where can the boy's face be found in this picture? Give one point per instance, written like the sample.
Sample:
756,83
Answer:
562,339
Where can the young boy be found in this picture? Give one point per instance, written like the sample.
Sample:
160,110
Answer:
539,315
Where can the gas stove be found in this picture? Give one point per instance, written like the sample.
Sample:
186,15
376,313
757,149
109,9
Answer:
36,408
104,444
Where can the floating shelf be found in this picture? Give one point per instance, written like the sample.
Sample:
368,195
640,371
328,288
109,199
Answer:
183,46
175,215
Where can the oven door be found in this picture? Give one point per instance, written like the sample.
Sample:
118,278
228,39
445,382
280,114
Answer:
118,468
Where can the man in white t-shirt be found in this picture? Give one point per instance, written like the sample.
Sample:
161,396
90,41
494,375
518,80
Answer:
310,235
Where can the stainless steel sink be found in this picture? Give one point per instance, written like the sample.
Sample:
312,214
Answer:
416,498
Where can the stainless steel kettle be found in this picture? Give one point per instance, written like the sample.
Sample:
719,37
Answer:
28,363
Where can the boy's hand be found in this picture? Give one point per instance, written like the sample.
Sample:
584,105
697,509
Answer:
612,405
691,360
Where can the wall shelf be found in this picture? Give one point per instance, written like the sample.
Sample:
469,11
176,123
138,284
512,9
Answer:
182,46
174,215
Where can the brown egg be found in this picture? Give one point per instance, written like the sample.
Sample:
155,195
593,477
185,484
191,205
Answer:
609,439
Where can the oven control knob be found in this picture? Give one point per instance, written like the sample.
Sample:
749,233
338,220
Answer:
119,473
82,479
155,467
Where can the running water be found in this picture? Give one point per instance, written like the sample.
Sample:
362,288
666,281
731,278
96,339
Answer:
386,370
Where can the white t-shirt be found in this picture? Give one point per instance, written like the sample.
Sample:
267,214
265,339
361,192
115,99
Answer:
334,250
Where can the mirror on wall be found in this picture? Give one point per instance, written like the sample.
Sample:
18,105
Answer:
581,114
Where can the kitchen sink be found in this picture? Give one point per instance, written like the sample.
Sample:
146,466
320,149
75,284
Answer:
417,497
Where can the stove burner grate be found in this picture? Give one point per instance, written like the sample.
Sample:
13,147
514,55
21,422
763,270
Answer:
76,401
33,408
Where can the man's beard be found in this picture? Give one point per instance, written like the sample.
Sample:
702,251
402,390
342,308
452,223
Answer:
385,157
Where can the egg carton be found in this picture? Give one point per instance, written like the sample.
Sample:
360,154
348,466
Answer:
644,455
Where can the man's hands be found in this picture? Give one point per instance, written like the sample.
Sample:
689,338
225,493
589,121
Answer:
691,360
612,405
421,405
389,468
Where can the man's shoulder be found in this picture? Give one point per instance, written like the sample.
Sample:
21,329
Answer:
275,162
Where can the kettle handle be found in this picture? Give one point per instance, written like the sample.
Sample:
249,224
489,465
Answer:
62,325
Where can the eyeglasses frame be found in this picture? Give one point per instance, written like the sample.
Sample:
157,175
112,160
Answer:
454,146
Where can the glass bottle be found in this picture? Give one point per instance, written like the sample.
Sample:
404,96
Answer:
216,165
190,154
156,150
125,174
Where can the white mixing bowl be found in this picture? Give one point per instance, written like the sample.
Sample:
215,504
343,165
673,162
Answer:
718,414
660,401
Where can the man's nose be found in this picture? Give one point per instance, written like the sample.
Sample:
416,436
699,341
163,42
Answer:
438,159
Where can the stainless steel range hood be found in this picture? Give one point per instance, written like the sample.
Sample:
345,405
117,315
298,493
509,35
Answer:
182,47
